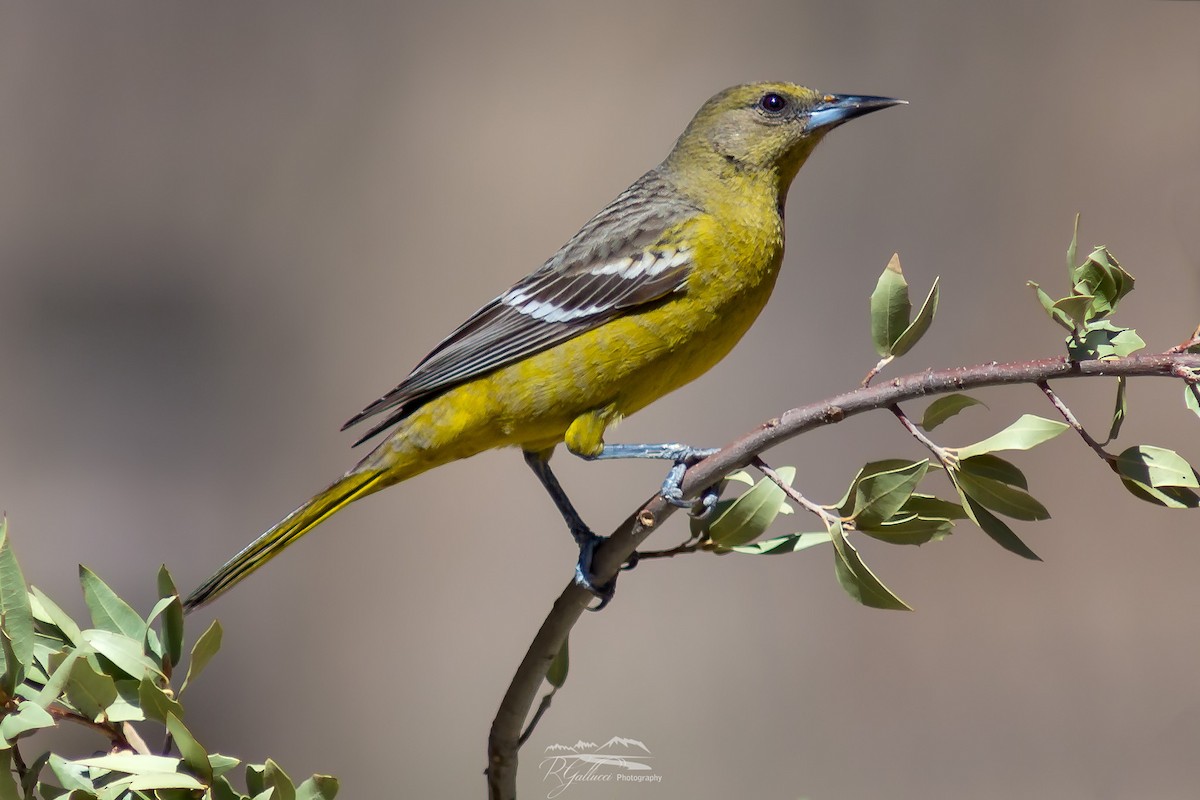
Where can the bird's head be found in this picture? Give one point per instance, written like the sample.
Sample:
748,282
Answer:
766,128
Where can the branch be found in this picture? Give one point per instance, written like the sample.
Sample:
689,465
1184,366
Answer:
503,740
115,737
1069,416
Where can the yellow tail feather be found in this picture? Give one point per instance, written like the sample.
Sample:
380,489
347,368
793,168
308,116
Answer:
347,489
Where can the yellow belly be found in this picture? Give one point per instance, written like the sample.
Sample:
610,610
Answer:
596,377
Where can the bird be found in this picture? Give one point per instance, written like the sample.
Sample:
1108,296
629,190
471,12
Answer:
651,292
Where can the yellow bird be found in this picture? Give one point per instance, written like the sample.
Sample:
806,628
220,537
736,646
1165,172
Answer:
652,292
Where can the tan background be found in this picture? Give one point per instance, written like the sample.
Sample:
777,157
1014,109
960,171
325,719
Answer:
225,227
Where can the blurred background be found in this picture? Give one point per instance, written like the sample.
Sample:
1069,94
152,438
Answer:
226,227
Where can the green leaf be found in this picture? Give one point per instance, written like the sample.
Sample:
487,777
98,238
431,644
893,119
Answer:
275,776
1156,466
845,506
1169,496
45,648
149,781
8,786
920,324
1158,475
1120,410
988,465
29,716
194,756
202,652
699,525
946,407
994,527
33,774
928,506
58,681
1102,277
881,494
123,651
1027,432
1072,249
912,529
16,614
256,779
118,788
1075,308
1000,497
128,706
741,476
155,702
221,764
172,620
48,612
71,777
1104,341
747,517
556,675
890,307
792,543
318,787
14,674
1191,397
856,578
221,790
152,644
131,763
90,691
109,612
1047,302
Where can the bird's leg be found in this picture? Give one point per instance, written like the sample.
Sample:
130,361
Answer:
539,462
683,455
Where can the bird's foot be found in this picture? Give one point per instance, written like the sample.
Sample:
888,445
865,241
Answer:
672,487
584,576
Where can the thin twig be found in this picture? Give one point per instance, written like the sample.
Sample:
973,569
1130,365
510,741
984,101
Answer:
18,761
792,492
537,715
1074,423
690,546
875,370
947,459
108,731
1183,347
508,723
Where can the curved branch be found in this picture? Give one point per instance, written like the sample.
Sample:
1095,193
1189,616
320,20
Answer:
503,740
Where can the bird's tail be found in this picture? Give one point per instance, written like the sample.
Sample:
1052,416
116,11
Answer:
347,489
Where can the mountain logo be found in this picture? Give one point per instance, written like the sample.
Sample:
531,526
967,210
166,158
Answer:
619,760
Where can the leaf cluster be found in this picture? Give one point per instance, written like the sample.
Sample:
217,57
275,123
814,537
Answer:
894,331
106,676
1097,285
886,500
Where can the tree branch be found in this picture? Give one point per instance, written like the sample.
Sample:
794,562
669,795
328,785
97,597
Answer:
503,740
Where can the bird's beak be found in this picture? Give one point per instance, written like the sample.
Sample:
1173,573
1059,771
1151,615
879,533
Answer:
834,109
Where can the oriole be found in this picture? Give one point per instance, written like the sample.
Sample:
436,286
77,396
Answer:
652,292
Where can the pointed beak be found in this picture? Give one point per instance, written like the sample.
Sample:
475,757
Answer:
834,109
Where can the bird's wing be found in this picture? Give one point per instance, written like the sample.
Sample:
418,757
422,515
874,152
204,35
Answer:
620,260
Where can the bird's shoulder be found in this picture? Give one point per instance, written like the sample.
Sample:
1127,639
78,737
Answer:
647,214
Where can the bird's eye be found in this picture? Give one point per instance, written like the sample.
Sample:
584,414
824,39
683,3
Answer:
772,103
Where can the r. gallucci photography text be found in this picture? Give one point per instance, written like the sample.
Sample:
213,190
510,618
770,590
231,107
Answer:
618,761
